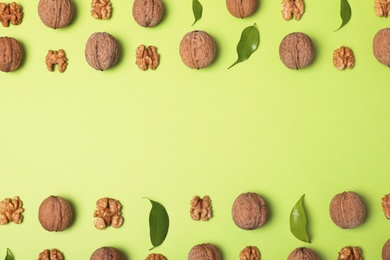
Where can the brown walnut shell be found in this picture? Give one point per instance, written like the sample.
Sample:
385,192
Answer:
386,251
101,51
303,253
55,13
107,253
296,50
347,210
381,46
10,54
249,211
147,13
55,214
197,49
203,252
242,8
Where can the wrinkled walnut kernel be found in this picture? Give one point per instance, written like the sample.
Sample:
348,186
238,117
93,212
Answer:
108,213
382,8
292,8
250,253
11,211
343,58
386,205
146,57
56,57
156,257
11,13
101,9
201,208
350,253
52,254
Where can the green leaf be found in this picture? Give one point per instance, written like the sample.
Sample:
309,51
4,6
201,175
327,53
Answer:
248,44
9,255
197,9
298,221
345,13
158,224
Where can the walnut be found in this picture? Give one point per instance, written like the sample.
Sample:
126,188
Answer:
240,8
146,57
250,253
292,8
350,253
55,214
108,213
381,46
55,14
156,257
56,57
11,211
343,58
197,49
11,13
382,8
301,253
148,13
347,210
204,251
249,211
101,51
296,50
52,254
201,208
10,54
386,250
104,253
386,205
101,9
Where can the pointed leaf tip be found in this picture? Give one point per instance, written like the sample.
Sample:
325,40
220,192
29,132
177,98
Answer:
298,221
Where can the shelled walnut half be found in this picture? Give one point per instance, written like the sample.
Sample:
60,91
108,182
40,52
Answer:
250,253
52,254
11,211
101,9
386,205
382,8
350,253
56,58
343,58
156,257
147,57
108,213
293,8
11,13
201,208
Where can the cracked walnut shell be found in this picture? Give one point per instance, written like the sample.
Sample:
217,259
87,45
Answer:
350,253
52,254
296,50
293,8
11,211
55,214
249,211
101,51
148,13
343,57
303,253
107,253
55,13
200,208
382,8
156,257
242,8
250,253
381,46
10,54
108,213
204,251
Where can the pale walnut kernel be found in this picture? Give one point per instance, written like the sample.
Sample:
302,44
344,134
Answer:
292,8
101,9
250,253
350,253
56,57
382,8
108,213
156,257
52,254
343,58
386,205
11,13
11,211
146,57
201,208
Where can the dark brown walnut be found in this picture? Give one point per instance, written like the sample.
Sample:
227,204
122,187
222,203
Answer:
381,46
147,13
303,253
197,49
242,8
250,253
347,210
55,13
296,50
204,251
52,254
55,214
156,257
249,211
107,253
386,250
10,54
101,51
350,253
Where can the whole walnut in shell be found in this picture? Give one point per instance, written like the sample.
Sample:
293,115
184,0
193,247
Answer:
347,210
10,54
107,253
55,214
55,13
386,250
296,50
303,253
242,8
203,252
147,13
249,211
101,51
197,49
381,46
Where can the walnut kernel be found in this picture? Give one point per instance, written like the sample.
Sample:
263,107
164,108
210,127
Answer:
148,13
293,8
350,253
55,214
386,205
108,213
11,211
156,257
52,254
56,57
343,58
10,54
204,251
250,253
301,253
104,253
146,57
296,50
382,8
249,211
242,9
101,9
11,13
200,208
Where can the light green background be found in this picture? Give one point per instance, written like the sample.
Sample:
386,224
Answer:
173,133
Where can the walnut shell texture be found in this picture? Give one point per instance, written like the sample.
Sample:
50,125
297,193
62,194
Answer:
107,253
10,54
148,13
242,8
296,50
197,49
347,210
55,13
386,250
249,211
303,253
381,46
55,214
101,51
203,252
